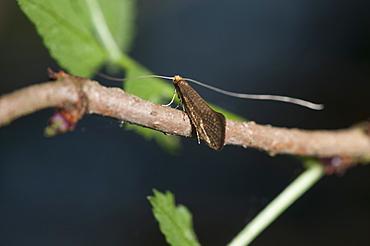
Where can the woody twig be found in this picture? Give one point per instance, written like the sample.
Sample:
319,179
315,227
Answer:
80,96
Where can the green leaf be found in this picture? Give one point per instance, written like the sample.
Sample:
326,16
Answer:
70,34
175,222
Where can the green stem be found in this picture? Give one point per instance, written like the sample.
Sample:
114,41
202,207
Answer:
297,188
101,28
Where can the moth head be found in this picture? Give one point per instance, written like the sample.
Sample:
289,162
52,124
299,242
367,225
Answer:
176,79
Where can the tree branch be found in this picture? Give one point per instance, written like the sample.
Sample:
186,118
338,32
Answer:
349,144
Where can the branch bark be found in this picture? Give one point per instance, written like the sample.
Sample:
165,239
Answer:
352,143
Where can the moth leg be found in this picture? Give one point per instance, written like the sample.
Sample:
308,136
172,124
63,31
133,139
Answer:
183,115
173,98
183,109
198,136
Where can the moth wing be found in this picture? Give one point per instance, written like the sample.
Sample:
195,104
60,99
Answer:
209,124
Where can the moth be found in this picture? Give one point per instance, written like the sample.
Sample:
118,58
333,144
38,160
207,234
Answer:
209,125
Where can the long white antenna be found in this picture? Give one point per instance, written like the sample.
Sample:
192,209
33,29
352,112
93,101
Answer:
138,77
297,101
292,100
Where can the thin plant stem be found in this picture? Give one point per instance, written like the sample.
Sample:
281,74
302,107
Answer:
296,189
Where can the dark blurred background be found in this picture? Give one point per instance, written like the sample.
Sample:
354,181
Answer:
89,187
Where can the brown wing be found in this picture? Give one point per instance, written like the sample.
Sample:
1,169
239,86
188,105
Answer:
209,124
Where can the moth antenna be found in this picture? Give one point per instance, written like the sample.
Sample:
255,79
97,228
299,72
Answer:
292,100
138,77
304,103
